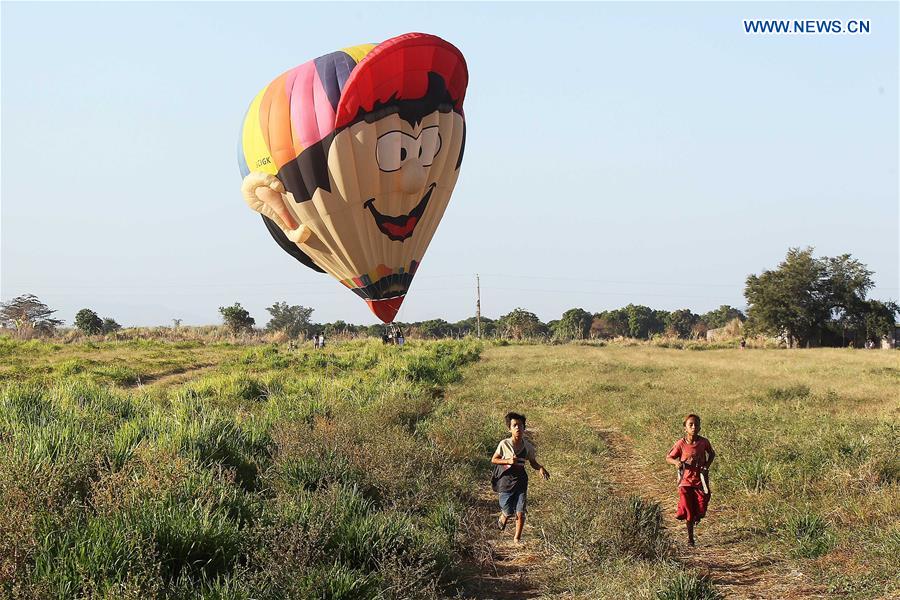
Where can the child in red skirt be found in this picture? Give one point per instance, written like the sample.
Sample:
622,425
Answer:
692,454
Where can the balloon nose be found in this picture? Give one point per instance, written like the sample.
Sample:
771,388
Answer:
413,178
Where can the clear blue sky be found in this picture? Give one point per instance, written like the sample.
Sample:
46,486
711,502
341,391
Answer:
651,153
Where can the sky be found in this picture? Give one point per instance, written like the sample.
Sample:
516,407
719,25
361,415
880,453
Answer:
647,153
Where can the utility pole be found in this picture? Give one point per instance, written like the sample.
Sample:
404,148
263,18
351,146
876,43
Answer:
478,305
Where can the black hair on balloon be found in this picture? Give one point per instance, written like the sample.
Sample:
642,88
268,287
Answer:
309,171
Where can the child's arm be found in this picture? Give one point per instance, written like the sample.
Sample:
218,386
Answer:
674,456
498,459
539,467
710,454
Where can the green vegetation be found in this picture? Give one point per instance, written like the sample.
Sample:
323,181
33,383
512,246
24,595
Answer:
28,316
151,469
236,318
821,300
273,475
292,320
88,322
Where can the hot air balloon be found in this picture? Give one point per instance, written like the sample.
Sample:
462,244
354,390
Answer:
351,159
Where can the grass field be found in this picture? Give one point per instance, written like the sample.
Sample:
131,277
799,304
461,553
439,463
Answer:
807,479
182,470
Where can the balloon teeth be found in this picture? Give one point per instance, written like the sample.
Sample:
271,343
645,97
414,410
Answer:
399,228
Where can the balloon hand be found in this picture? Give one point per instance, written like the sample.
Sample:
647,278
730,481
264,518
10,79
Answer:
265,194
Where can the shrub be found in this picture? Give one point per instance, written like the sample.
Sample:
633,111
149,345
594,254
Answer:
810,533
339,582
754,474
597,528
637,529
687,586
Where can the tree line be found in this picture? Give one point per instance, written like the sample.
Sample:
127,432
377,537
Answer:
803,301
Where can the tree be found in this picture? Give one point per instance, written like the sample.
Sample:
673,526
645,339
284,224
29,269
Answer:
27,314
610,324
294,321
717,318
791,301
237,318
879,319
470,326
681,322
575,323
644,321
847,281
109,326
88,322
434,328
339,327
375,331
698,331
521,324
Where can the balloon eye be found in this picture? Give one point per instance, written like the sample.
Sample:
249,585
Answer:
389,151
429,145
395,147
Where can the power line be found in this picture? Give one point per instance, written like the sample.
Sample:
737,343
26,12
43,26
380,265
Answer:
282,284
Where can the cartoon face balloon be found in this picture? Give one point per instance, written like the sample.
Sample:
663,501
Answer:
351,159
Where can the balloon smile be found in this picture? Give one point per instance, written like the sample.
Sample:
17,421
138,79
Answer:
399,228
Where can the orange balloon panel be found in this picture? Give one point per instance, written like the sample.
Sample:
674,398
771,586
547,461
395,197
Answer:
351,159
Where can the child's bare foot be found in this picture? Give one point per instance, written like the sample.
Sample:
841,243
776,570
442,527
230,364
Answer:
501,523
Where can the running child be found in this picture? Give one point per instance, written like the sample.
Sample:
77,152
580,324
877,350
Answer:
692,454
512,480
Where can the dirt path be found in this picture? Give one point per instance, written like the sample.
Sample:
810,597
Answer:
504,566
178,376
736,568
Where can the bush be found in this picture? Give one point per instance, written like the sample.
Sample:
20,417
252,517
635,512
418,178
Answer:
687,586
598,527
637,529
755,474
810,533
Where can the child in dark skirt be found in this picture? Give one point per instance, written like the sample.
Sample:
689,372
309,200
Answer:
511,479
692,454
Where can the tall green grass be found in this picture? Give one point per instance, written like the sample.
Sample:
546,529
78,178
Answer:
280,474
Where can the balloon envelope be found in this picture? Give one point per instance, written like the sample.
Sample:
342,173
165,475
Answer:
351,158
